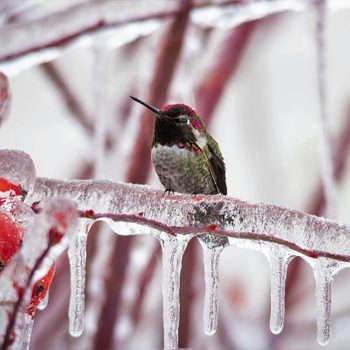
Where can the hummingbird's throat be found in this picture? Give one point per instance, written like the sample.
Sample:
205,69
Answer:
189,147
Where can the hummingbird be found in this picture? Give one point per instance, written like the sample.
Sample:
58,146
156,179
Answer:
185,156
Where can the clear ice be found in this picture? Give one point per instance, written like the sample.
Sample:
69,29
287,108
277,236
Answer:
173,249
211,256
279,258
77,262
324,272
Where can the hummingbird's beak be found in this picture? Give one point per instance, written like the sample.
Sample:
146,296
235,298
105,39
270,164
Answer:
153,109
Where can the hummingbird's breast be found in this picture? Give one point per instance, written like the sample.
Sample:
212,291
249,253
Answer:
182,170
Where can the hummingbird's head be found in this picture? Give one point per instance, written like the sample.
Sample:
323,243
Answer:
175,123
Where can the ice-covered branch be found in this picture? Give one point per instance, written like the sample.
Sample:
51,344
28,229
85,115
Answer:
139,207
28,43
135,209
173,219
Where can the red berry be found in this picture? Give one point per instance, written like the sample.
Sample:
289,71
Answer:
6,185
10,238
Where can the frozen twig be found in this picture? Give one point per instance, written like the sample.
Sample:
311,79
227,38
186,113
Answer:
64,28
303,233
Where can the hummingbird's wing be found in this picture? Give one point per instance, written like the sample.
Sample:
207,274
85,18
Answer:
215,163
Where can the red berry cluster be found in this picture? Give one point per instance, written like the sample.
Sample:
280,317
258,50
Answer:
11,235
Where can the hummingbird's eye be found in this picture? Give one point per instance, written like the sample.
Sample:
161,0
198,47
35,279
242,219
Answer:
182,120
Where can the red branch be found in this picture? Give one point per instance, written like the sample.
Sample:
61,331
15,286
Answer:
144,281
92,26
227,61
111,307
5,97
11,325
71,100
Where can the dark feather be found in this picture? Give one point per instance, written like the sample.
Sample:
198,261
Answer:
218,168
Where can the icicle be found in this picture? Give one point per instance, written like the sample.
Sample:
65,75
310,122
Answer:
173,249
77,262
43,303
23,341
278,266
211,256
95,286
324,271
327,166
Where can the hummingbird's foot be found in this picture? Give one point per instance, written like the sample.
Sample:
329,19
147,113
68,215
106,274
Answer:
169,190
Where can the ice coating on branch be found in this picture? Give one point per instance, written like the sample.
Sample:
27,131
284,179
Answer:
230,16
23,341
21,213
173,249
18,168
5,97
279,232
211,256
142,209
48,37
279,258
43,242
77,262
